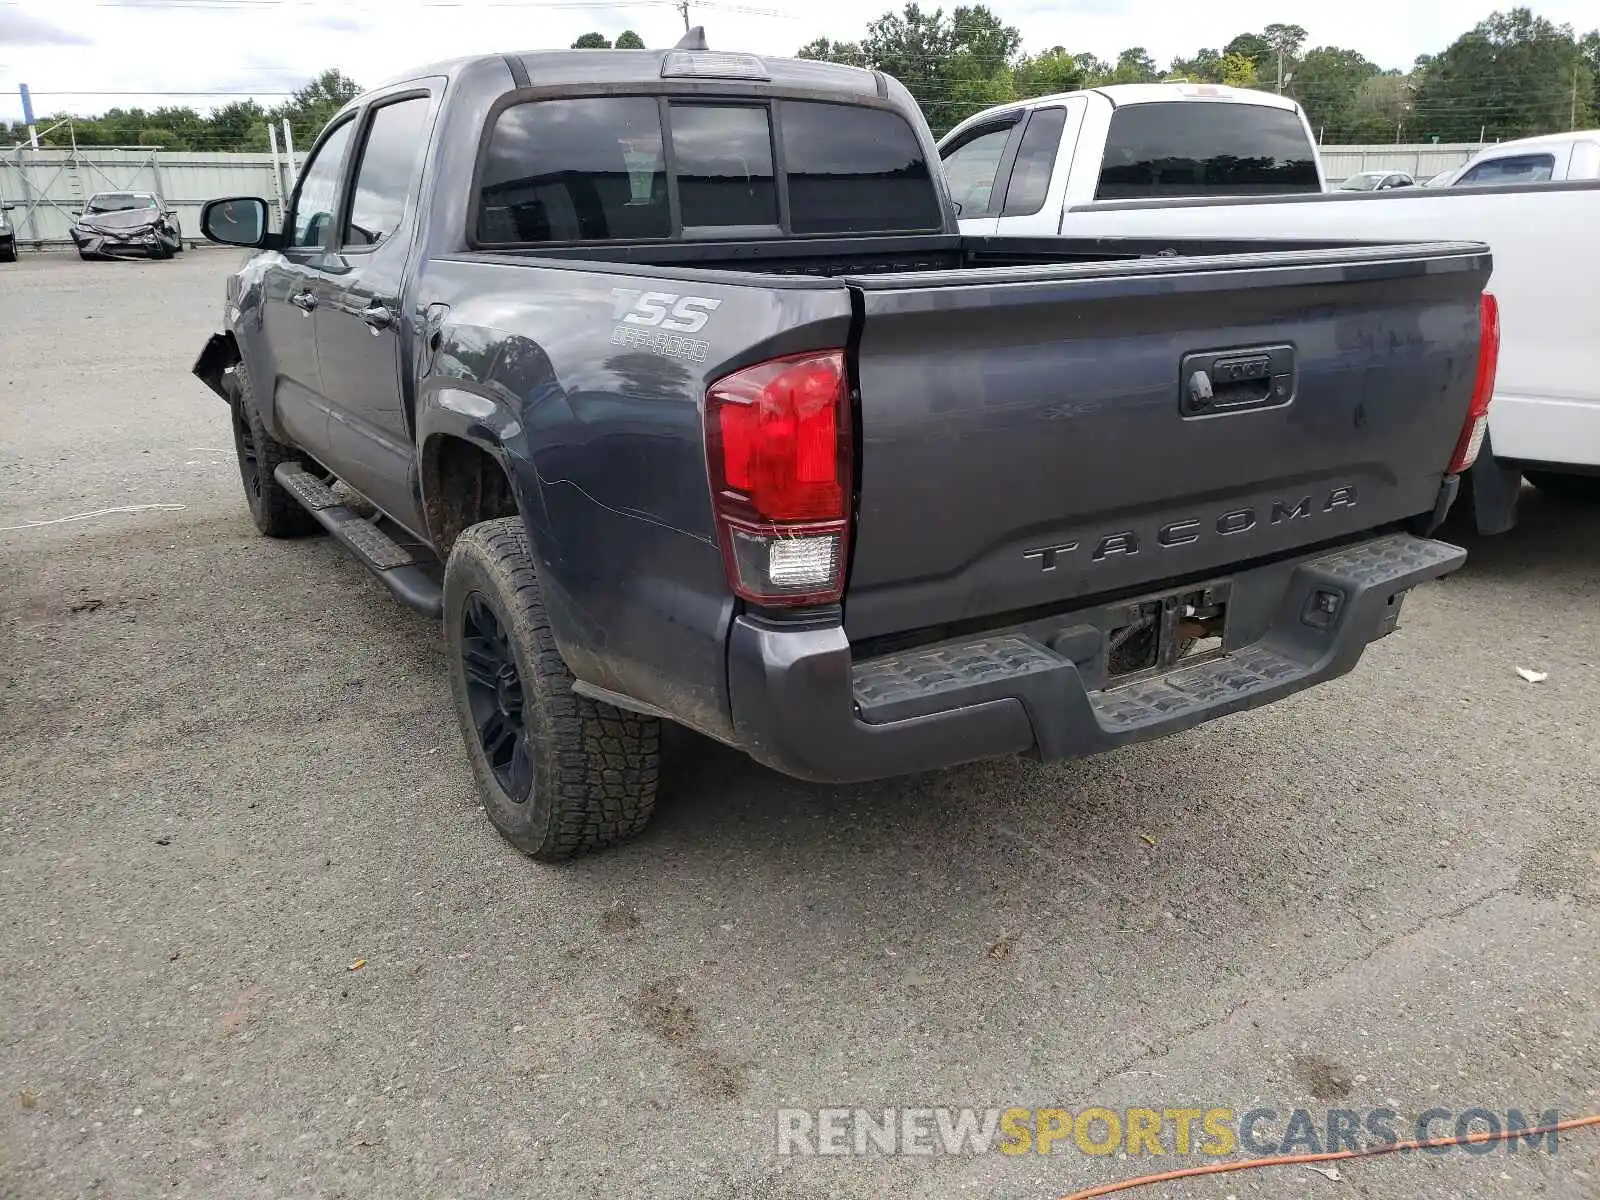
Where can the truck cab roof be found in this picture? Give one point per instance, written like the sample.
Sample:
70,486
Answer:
1123,95
1543,140
604,68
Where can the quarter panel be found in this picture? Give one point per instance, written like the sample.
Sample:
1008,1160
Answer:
598,419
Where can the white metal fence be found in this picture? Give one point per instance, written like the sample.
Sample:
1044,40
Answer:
46,187
1420,162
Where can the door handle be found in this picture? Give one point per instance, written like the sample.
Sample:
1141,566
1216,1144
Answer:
1236,380
305,301
378,316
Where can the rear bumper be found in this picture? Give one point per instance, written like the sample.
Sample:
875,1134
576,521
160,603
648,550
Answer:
802,705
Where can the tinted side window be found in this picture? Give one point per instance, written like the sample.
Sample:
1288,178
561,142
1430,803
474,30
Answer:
723,160
1036,159
1520,168
319,186
574,170
970,170
1203,148
854,170
390,170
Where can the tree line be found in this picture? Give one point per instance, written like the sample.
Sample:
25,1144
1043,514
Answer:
1512,75
238,125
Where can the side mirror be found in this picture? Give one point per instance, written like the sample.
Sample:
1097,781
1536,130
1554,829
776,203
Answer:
235,221
77,212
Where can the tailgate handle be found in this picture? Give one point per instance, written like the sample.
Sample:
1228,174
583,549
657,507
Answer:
1215,382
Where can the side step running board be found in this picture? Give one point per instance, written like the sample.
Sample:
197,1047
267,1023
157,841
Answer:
394,565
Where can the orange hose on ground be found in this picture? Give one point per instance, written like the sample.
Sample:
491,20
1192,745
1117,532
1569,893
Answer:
1223,1168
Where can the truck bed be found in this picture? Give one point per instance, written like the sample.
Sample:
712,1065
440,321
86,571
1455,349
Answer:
829,258
1022,430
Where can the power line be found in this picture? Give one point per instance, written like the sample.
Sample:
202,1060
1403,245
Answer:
93,92
271,5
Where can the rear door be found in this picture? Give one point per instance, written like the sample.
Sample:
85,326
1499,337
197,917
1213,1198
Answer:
361,320
1035,189
1030,435
290,296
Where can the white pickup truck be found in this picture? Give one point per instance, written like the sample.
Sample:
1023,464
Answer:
1159,162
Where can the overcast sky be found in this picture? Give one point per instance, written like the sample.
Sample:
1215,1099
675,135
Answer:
89,55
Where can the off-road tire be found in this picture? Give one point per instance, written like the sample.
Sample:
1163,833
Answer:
592,768
1582,488
275,512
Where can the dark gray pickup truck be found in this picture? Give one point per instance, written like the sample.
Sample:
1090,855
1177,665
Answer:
667,379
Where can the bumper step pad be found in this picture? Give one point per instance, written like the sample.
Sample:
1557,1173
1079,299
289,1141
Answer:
398,568
1374,564
1068,719
901,685
1203,685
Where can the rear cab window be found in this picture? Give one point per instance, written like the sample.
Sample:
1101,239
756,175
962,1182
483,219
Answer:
1205,148
574,170
723,159
855,170
639,168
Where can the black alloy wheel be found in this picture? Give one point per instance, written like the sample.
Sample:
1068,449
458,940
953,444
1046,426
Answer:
495,697
244,441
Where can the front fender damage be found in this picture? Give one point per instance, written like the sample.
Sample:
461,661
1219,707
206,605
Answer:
215,365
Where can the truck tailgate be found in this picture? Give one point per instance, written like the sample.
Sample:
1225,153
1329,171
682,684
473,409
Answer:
1033,435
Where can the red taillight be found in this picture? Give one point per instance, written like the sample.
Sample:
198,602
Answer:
1477,423
778,447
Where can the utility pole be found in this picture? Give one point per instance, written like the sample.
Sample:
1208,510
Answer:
1572,117
27,115
288,151
683,7
1280,70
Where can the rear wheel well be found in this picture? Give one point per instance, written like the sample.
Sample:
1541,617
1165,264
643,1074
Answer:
462,486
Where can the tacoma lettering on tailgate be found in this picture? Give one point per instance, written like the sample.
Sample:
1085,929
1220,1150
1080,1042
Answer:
1187,530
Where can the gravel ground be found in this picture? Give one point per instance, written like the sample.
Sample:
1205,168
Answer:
231,772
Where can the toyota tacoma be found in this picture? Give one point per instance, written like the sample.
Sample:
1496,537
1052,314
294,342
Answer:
668,380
